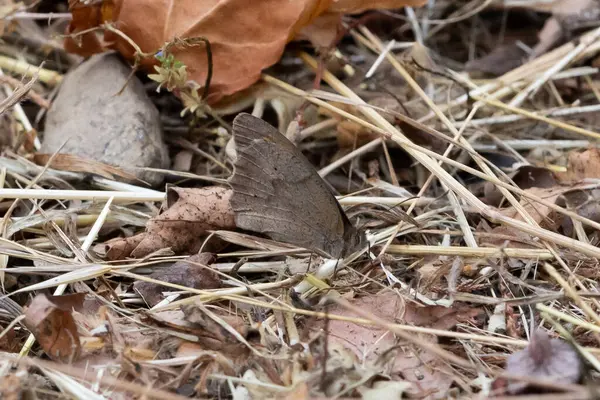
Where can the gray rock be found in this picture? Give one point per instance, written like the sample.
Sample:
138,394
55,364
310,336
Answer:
118,129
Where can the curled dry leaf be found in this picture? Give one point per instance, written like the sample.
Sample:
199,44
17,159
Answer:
191,213
120,248
243,41
50,319
191,272
544,358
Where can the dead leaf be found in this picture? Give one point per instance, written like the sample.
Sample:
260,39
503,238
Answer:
439,317
10,387
525,177
185,272
191,213
120,248
371,343
50,319
85,17
540,213
529,176
323,30
71,162
21,384
581,165
243,41
586,203
544,358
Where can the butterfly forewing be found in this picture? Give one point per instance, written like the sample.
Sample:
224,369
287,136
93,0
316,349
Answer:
277,191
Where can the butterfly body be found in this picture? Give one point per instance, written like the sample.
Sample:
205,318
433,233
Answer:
277,192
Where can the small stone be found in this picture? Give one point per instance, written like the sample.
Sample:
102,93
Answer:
118,129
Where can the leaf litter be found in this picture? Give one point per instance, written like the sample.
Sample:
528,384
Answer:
456,181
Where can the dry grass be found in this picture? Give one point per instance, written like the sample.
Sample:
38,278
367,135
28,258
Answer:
538,276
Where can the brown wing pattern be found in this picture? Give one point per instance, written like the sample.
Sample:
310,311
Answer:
277,191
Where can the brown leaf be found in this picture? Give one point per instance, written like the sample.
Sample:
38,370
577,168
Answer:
544,358
10,387
525,177
529,176
120,248
323,30
243,41
191,213
585,203
185,272
50,319
439,317
540,213
71,162
21,383
299,392
419,368
86,17
581,166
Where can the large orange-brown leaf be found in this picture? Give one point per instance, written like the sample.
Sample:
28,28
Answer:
50,319
245,37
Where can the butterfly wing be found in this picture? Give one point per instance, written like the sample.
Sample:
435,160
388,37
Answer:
277,191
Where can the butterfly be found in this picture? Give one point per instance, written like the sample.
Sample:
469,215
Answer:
278,192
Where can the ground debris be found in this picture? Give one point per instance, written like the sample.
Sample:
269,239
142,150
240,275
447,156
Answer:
193,272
